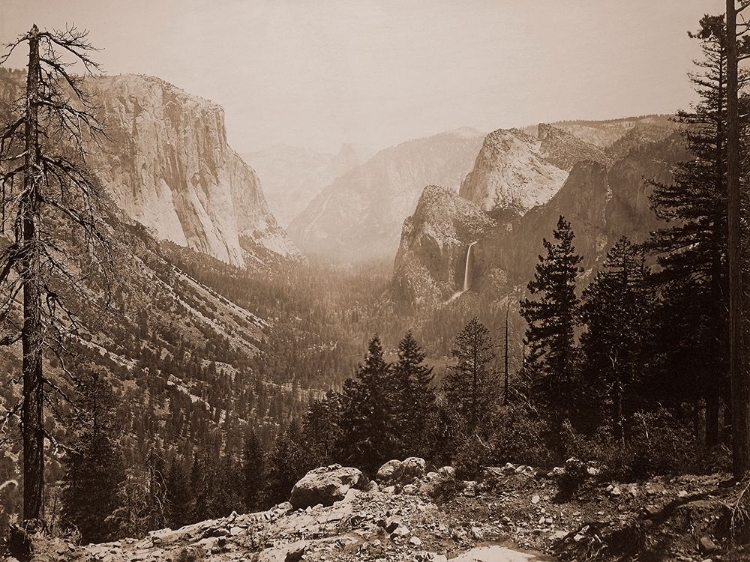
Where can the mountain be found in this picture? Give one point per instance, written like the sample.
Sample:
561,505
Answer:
293,176
603,200
434,241
604,134
168,166
359,216
520,171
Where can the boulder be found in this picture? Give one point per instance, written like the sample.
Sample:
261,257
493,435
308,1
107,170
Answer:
401,473
440,484
447,472
326,485
387,471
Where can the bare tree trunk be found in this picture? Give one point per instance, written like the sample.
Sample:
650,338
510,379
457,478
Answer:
739,378
619,431
712,417
506,389
31,337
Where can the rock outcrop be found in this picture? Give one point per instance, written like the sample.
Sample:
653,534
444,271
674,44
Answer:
168,166
326,485
359,216
431,260
401,473
521,510
603,199
518,171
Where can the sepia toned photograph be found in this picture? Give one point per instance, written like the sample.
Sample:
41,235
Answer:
375,280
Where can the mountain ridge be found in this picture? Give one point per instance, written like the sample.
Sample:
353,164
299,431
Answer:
602,200
360,215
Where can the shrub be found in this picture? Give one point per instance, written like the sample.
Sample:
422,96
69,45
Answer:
656,443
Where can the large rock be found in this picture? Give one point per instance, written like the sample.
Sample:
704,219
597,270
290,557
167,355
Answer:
326,485
401,473
431,263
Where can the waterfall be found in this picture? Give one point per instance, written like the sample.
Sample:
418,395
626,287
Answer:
467,272
466,268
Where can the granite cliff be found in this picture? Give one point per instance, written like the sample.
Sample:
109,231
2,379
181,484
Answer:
167,165
604,198
520,171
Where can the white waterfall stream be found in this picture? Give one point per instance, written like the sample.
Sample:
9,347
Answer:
466,268
467,271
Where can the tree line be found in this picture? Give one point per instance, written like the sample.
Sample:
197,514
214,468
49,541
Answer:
643,370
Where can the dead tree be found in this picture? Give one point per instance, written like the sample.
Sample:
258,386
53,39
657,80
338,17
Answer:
53,235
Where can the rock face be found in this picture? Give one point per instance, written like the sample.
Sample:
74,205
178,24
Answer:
169,167
605,134
431,260
293,176
326,485
603,201
359,216
517,171
602,204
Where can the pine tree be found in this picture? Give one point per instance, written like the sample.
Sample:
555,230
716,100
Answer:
253,471
552,318
323,428
286,465
472,386
199,486
692,251
414,398
616,308
94,464
226,495
738,48
179,495
368,437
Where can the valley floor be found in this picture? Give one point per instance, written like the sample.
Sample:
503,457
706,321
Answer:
510,514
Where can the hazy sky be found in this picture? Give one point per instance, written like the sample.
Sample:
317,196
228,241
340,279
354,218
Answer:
316,73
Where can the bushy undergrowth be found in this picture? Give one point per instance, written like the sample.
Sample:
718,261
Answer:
514,434
655,443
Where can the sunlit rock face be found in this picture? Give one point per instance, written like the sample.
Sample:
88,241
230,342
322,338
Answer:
167,165
431,261
605,196
515,170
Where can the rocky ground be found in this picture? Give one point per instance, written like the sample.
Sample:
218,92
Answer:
512,513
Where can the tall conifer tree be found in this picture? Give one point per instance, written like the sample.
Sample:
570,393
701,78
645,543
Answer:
94,465
414,398
692,250
471,386
253,470
552,318
616,307
368,438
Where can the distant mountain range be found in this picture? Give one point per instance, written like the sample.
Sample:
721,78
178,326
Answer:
293,176
359,216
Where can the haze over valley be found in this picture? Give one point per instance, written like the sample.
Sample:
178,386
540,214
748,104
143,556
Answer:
372,281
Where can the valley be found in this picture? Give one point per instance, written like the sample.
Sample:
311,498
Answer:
275,327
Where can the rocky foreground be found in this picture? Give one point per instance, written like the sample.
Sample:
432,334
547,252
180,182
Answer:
512,513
